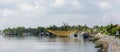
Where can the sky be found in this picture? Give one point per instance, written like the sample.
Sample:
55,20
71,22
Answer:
33,13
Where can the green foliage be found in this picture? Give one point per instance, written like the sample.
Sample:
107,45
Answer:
109,29
19,31
99,46
94,39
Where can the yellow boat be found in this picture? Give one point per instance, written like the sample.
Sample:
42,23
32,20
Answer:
62,33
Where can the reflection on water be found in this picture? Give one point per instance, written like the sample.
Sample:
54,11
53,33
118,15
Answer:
44,44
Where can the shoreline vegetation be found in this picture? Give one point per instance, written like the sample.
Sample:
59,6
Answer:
109,30
102,35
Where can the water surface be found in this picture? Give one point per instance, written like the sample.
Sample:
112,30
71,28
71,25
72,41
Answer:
45,44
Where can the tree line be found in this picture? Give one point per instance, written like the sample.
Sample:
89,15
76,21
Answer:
108,29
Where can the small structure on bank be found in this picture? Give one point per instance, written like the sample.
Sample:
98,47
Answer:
85,35
45,34
26,34
117,34
67,33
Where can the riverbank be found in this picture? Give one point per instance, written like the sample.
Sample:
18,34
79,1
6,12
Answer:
110,43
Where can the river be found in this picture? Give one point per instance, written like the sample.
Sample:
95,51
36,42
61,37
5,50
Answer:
45,44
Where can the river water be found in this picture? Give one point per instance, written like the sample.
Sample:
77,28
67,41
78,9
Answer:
45,44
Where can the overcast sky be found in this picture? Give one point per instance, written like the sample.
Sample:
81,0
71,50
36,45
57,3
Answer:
33,13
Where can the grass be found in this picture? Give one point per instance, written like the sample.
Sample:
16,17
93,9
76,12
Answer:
94,39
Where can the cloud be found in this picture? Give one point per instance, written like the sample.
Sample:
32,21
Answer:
109,17
7,2
76,3
58,3
32,8
32,13
8,13
104,5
